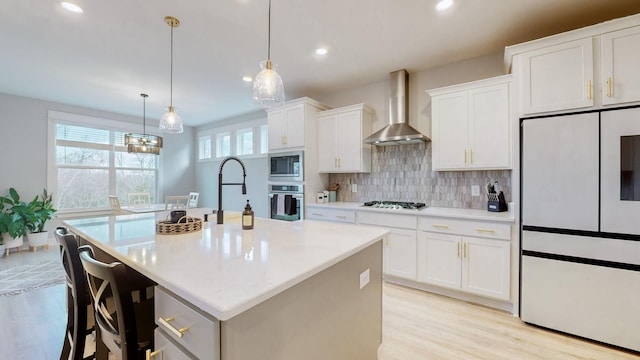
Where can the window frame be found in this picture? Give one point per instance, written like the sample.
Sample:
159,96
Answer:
258,128
58,117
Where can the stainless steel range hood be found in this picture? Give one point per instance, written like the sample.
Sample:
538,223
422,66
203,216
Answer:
398,131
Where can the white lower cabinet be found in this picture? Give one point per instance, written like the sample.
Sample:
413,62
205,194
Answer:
335,215
472,264
399,257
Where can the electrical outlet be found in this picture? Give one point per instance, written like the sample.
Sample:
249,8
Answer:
475,190
354,187
364,278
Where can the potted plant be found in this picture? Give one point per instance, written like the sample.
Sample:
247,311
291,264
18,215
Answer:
41,208
14,219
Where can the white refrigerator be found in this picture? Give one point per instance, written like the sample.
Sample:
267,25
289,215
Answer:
580,236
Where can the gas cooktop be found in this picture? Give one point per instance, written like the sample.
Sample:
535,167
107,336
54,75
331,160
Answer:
395,205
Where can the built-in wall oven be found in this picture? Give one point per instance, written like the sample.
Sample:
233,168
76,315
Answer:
286,166
286,201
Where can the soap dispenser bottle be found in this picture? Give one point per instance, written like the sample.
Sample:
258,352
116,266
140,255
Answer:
247,217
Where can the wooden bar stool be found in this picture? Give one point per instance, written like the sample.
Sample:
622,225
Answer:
123,328
80,322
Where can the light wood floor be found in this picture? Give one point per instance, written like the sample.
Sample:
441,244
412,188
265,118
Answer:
419,325
416,325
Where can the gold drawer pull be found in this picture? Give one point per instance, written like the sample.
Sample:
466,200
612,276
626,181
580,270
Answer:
486,231
166,322
316,214
341,216
589,90
458,249
465,249
440,226
150,354
609,87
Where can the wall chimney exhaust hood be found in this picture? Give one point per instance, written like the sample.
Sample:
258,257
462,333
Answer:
398,132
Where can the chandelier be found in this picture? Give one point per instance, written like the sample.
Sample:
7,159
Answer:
143,143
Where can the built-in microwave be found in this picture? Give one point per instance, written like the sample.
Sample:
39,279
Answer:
286,166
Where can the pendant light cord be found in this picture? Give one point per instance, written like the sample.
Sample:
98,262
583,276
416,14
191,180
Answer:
269,34
171,80
144,111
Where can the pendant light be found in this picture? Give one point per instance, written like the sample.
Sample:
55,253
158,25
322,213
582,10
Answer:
268,90
171,122
143,143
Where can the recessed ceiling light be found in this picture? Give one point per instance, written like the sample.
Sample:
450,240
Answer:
247,78
444,5
321,51
72,7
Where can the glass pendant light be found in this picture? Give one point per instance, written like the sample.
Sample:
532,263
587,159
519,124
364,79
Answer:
171,122
143,143
268,90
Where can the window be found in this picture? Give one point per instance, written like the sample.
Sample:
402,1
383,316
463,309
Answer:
223,144
244,142
91,162
204,147
264,139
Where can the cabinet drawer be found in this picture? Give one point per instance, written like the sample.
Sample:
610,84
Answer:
167,349
202,335
347,216
387,220
466,228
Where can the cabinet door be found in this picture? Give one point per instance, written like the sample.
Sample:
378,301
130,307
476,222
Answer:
439,258
620,58
489,129
400,254
277,129
486,267
558,77
295,122
350,142
450,131
328,143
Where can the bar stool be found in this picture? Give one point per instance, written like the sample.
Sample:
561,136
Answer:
123,328
79,314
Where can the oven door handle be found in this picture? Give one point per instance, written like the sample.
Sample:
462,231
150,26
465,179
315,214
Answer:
297,196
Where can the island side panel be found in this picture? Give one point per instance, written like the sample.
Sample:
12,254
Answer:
327,316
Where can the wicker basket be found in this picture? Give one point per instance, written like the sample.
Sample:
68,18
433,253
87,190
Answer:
186,224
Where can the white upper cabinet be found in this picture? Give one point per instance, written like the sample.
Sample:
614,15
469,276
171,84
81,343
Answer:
558,77
470,125
341,133
620,58
592,67
292,124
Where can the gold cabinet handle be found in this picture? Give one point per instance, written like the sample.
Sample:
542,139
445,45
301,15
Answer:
465,249
286,140
589,88
609,86
458,249
465,156
471,156
486,231
341,217
440,226
150,354
166,323
316,214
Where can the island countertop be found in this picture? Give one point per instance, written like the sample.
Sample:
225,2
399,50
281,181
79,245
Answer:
222,269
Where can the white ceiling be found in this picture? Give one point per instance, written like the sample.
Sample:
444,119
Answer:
104,58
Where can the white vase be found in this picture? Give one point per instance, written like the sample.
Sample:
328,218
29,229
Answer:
10,243
38,239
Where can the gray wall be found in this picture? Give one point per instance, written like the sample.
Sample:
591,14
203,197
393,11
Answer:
23,144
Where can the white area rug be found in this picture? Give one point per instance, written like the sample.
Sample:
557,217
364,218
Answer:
23,278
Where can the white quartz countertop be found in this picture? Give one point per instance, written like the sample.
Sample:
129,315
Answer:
224,270
458,213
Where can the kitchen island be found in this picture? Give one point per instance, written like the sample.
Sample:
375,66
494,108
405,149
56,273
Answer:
306,289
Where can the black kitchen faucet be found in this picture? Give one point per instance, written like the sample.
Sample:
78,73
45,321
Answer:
219,213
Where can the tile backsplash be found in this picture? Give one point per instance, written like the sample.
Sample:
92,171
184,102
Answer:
403,173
